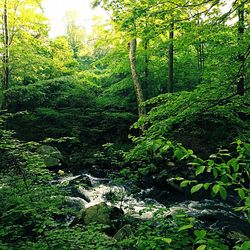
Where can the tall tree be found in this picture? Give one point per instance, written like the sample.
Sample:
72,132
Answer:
125,16
241,56
24,41
200,53
74,32
6,42
146,68
136,82
171,57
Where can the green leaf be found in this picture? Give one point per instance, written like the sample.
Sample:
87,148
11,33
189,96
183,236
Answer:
215,173
194,163
247,202
179,154
223,193
167,240
247,148
196,188
179,178
185,227
163,38
200,170
210,163
245,245
213,156
184,183
155,146
234,163
224,179
201,247
206,186
165,148
241,193
216,189
200,233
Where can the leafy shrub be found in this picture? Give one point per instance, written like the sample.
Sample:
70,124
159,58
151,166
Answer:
198,119
175,232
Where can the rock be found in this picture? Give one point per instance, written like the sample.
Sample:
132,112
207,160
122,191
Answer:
99,213
79,180
83,193
116,213
51,155
60,172
125,232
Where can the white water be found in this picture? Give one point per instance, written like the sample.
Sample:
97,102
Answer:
123,200
101,188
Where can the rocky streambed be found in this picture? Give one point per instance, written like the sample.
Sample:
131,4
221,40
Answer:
99,200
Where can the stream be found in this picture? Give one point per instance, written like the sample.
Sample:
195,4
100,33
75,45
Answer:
86,191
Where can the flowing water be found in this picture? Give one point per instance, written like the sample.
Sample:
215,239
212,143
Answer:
102,188
212,213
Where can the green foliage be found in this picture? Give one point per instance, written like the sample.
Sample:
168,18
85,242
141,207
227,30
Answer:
109,156
76,93
176,232
33,211
81,237
228,171
184,116
150,156
67,107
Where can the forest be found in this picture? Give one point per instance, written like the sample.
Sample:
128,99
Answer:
135,135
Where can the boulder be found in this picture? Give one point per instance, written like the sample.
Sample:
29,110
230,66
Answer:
51,155
83,194
123,233
99,213
82,181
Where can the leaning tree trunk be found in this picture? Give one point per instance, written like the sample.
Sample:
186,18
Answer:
6,69
171,59
136,82
241,57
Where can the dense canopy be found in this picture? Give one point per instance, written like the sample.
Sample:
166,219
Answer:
152,105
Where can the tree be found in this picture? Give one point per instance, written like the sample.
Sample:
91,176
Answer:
6,42
74,32
23,33
171,58
241,56
136,82
125,18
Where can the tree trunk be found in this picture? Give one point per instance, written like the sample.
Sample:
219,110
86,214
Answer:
171,59
241,58
6,69
146,70
136,82
200,60
200,57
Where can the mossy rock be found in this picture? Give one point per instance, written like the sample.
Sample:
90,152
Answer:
51,155
99,213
